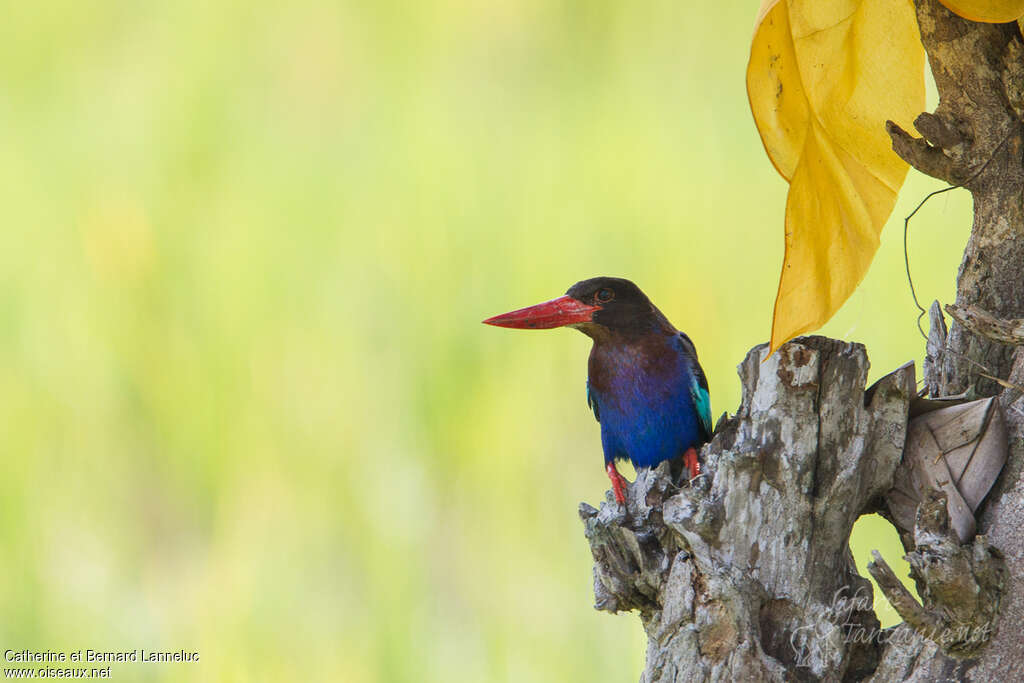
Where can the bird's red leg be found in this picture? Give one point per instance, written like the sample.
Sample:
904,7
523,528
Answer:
618,483
691,462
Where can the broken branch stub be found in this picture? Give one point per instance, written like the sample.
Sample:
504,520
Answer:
961,585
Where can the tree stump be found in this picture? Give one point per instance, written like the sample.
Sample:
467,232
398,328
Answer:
745,573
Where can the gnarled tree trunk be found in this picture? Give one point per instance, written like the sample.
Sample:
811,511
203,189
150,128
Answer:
746,573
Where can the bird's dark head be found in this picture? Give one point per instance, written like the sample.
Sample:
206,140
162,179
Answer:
596,307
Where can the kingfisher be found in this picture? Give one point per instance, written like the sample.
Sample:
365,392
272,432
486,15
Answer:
644,384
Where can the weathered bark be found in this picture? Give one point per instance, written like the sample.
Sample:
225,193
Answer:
962,584
975,138
984,324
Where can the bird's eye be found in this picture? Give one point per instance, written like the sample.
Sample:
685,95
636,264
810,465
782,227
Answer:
605,295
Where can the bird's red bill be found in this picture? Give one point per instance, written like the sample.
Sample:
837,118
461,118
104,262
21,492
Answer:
564,310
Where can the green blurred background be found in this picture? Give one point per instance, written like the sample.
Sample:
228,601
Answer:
249,408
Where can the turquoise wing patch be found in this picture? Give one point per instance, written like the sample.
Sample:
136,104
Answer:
698,385
702,400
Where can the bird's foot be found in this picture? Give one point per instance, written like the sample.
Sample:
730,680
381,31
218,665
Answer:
618,483
691,462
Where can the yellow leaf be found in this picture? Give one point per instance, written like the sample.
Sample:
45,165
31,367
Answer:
988,11
823,77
